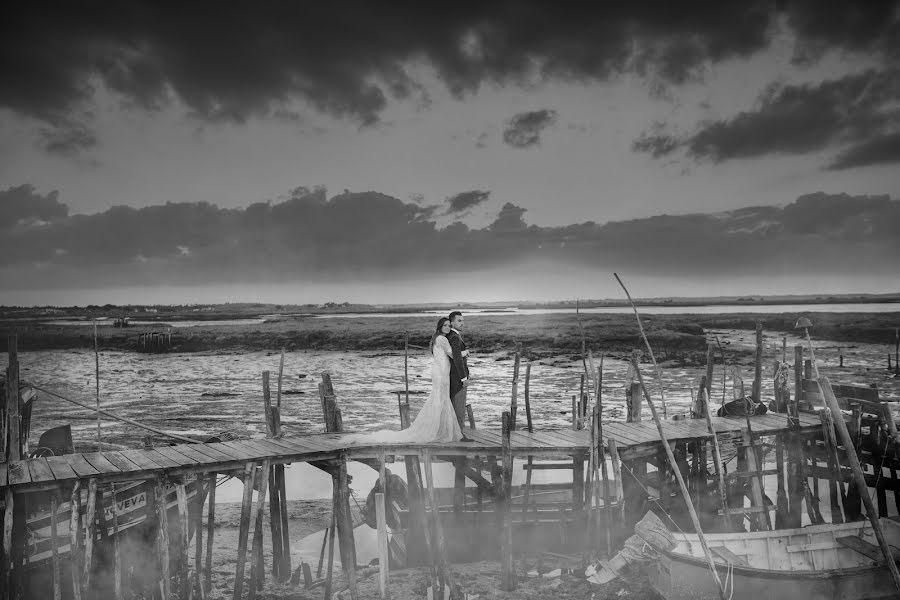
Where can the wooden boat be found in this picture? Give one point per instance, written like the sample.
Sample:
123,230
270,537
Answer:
818,562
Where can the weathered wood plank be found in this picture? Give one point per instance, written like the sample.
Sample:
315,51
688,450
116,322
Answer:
172,454
211,452
61,468
141,459
100,463
40,470
81,467
18,473
120,461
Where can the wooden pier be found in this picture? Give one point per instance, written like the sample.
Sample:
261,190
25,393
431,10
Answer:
177,481
632,440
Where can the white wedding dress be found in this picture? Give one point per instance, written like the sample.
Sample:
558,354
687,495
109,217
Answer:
436,422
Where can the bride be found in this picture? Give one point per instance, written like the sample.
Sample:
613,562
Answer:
436,422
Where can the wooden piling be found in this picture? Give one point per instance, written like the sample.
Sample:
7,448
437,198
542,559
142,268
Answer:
344,522
162,537
210,532
117,561
244,529
90,518
757,365
330,573
183,539
75,540
257,572
54,545
507,566
383,573
197,581
515,392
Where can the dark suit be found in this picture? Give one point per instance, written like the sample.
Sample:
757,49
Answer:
459,369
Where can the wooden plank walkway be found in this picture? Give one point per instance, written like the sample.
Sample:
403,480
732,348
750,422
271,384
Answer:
634,440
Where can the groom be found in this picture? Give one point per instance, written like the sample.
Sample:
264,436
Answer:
459,368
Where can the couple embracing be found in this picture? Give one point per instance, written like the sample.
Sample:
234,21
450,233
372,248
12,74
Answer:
442,416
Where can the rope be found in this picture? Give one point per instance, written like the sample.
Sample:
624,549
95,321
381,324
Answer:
117,417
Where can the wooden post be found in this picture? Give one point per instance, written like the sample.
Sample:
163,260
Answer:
75,541
684,491
507,566
210,532
274,495
383,557
90,518
757,370
344,522
601,458
620,488
162,537
574,413
515,389
383,571
244,529
183,537
754,469
527,396
197,510
118,560
257,573
13,418
710,364
406,367
54,546
634,405
858,475
330,573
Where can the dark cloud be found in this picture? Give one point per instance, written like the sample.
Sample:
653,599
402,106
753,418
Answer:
349,58
877,151
23,206
309,237
794,119
524,130
509,219
465,201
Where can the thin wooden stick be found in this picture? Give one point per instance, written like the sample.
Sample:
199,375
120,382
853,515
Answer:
659,381
280,373
97,372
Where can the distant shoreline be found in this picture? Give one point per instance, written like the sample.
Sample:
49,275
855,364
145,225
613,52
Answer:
552,333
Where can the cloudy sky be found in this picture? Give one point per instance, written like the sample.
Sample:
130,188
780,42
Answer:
406,151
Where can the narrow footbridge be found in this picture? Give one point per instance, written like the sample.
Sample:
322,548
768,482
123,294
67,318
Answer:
632,440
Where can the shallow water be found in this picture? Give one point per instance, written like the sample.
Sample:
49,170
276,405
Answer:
206,393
